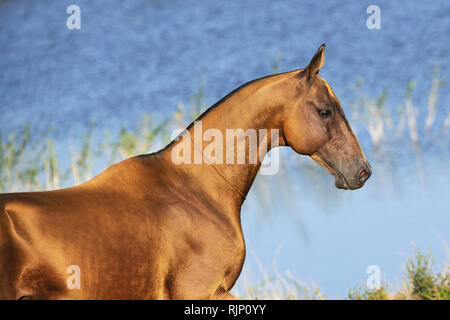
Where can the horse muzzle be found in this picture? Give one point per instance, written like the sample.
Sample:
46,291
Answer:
352,182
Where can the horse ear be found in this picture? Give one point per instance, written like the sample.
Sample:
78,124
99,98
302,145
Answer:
316,62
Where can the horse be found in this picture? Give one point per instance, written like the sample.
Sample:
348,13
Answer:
149,227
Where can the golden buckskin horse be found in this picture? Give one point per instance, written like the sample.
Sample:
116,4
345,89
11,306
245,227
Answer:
147,228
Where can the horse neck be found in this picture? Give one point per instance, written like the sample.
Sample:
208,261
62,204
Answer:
253,107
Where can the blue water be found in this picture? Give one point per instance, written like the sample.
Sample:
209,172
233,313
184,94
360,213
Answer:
138,56
134,57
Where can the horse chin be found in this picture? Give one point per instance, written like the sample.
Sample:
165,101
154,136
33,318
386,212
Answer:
342,183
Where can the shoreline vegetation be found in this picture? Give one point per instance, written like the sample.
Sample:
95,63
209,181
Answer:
35,161
419,282
32,161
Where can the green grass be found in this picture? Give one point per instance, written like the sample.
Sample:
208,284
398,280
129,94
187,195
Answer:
420,282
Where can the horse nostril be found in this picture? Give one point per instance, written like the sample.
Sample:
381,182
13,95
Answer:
363,175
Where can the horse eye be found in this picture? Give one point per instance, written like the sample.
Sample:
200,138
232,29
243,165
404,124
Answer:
324,113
